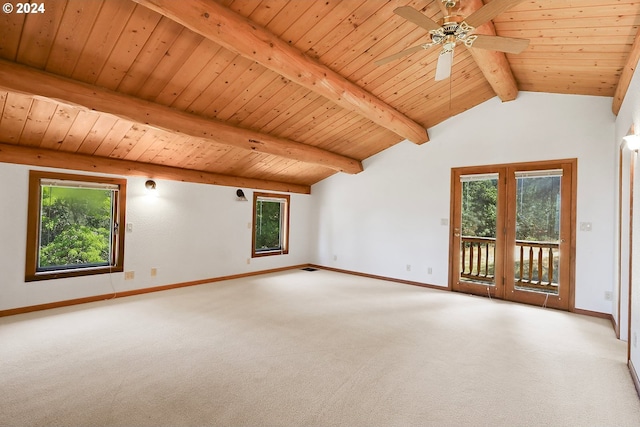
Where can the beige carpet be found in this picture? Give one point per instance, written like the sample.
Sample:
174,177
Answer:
312,349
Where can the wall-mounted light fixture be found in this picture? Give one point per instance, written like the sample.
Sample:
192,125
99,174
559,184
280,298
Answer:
241,196
632,140
150,184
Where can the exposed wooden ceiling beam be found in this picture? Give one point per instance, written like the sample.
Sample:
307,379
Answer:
10,153
241,36
494,65
28,80
627,74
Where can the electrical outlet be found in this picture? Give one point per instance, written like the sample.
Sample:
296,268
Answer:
444,221
128,275
129,227
585,226
408,267
154,272
429,270
248,261
608,295
335,257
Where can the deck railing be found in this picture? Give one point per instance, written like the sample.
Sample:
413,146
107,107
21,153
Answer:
478,255
536,263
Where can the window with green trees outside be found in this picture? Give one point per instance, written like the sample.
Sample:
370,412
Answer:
270,224
74,225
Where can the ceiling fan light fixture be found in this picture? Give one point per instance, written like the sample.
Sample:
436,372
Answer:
449,4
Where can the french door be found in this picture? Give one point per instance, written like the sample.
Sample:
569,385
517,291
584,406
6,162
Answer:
512,232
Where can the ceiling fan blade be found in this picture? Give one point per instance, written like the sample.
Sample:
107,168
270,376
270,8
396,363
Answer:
501,44
489,11
399,54
417,17
445,62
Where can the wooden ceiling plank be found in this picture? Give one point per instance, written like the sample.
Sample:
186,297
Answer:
38,34
134,37
128,141
153,150
302,116
220,61
150,138
243,7
317,13
191,148
84,121
226,87
337,132
332,119
11,25
202,55
38,119
252,92
14,117
240,35
323,111
75,28
346,32
341,11
580,36
175,58
558,49
59,126
3,100
243,114
113,137
298,109
493,64
556,11
106,30
28,80
627,73
424,88
56,159
97,134
285,17
154,50
279,104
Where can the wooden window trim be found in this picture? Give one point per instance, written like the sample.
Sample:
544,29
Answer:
285,224
33,227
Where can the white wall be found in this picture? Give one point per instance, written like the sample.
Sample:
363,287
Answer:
389,216
630,114
187,231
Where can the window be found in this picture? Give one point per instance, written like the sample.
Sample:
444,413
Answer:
270,224
73,225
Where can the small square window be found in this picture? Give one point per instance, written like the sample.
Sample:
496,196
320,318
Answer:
270,224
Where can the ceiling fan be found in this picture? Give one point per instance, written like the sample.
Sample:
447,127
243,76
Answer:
454,29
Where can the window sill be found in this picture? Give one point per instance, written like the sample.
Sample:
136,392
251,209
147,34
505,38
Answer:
76,272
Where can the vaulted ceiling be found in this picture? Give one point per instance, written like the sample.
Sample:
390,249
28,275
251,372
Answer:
275,94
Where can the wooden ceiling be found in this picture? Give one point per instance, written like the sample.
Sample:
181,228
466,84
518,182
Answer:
274,94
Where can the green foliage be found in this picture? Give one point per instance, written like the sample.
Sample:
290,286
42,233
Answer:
538,209
75,226
268,225
479,202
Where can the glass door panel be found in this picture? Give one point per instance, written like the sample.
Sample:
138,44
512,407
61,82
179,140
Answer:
478,228
537,244
476,265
